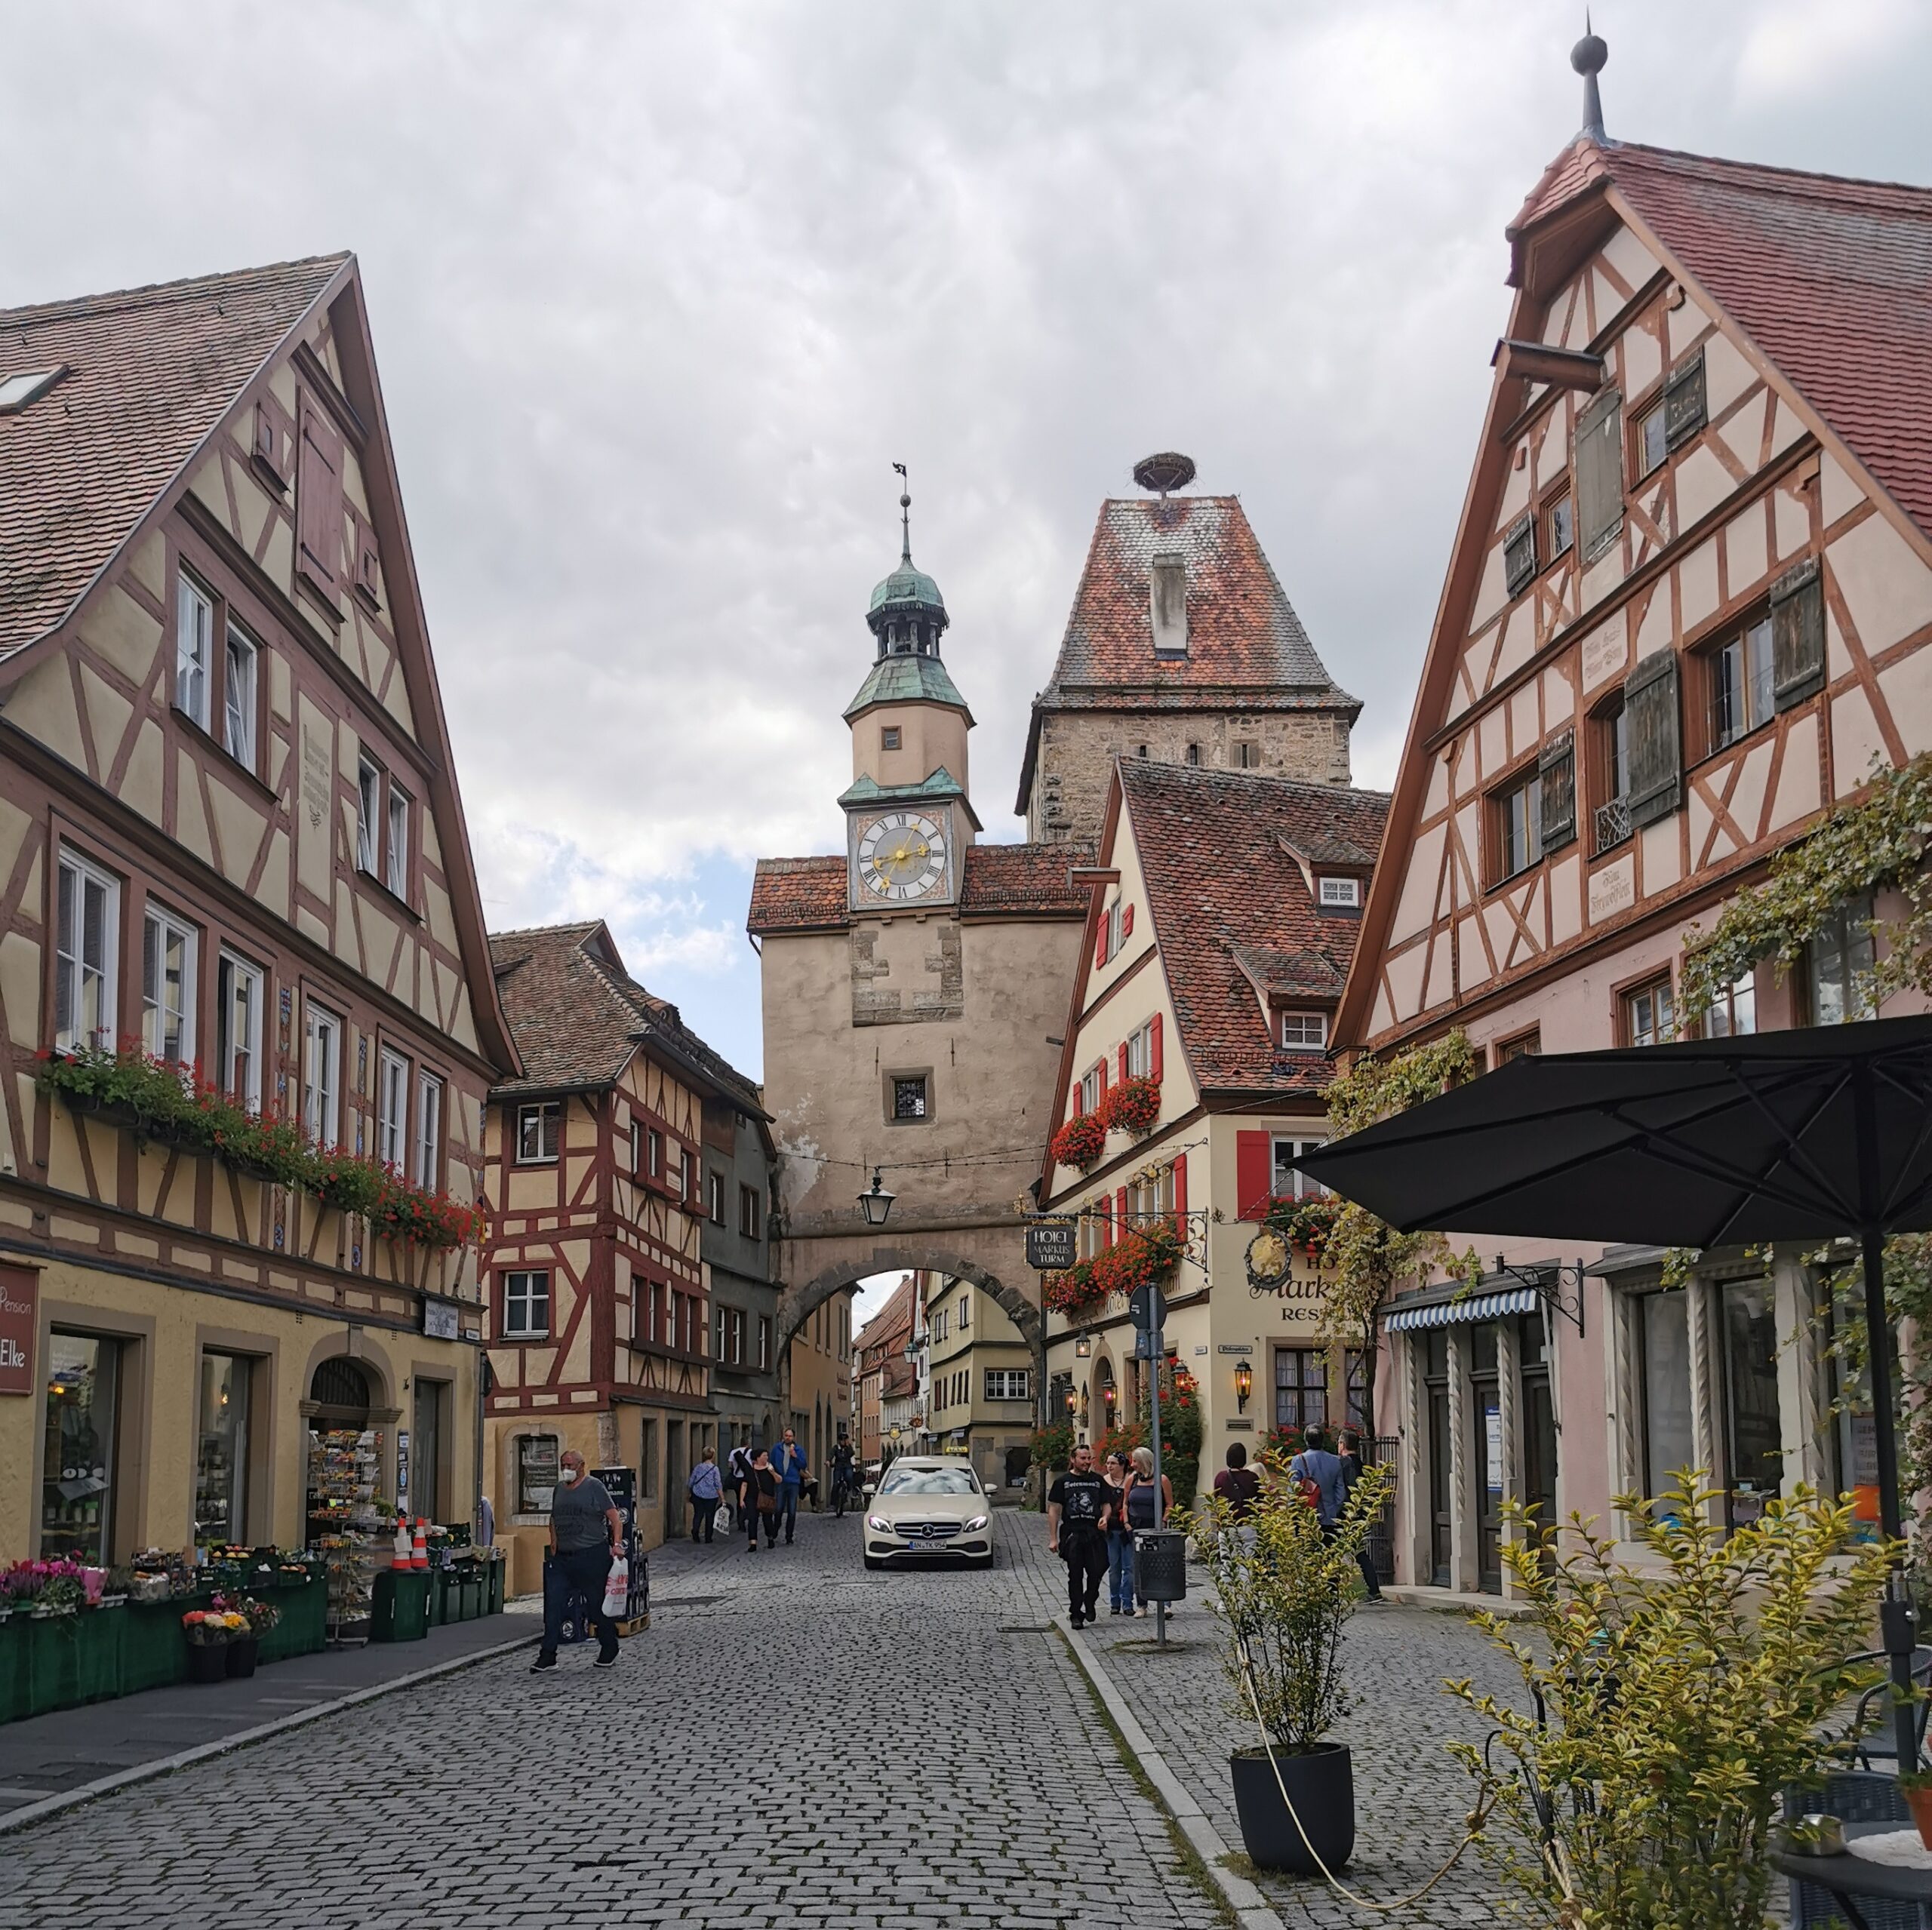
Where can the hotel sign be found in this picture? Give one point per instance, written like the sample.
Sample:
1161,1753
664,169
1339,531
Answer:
20,1316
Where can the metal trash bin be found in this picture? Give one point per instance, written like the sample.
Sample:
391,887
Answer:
1160,1565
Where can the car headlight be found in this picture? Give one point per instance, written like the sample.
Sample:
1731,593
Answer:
973,1526
879,1522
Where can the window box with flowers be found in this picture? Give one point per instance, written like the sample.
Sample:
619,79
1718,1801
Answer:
1080,1142
1133,1107
1305,1224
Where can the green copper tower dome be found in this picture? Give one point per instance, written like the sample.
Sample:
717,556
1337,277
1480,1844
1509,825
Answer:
906,613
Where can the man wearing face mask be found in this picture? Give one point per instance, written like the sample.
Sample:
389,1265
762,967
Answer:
586,1530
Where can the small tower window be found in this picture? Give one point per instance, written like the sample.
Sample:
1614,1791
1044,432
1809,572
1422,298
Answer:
888,738
1168,605
1194,754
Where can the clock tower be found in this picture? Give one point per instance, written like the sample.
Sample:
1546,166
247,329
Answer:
908,818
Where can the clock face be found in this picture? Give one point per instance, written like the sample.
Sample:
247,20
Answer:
902,856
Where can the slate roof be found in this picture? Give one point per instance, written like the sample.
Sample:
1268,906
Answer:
1831,278
152,371
577,1016
913,678
1231,911
809,894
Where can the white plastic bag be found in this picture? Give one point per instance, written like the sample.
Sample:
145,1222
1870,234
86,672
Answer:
618,1589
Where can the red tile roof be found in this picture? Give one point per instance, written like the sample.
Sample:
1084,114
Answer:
577,1017
1831,279
809,894
1230,908
151,372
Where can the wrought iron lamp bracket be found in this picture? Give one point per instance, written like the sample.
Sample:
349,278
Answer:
1549,1281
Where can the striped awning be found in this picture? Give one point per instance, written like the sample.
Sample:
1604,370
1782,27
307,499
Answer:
1456,1313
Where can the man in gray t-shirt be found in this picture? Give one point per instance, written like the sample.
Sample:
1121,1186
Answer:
586,1530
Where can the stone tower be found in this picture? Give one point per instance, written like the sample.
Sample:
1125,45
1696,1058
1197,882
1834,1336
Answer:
1181,647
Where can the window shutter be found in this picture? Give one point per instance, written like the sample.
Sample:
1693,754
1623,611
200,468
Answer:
318,498
1122,1060
1254,1155
1598,468
1180,1194
1100,944
1684,402
1650,722
1519,551
1557,764
1120,1208
1103,1070
1798,635
1126,922
1154,1048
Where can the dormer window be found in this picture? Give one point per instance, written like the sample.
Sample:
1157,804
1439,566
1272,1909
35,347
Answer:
1340,894
1168,605
1305,1031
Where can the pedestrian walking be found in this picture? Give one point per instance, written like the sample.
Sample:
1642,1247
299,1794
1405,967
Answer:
1139,1505
586,1530
1078,1516
707,1489
1349,1441
1120,1540
738,1474
760,1502
788,1463
1318,1474
1237,1484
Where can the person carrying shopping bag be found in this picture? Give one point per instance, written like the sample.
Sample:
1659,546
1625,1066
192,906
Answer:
706,1485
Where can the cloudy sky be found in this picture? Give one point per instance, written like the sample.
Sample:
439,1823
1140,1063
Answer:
661,292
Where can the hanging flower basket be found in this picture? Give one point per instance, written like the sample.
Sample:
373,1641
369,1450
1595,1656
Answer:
1073,1292
1080,1142
1133,1107
1307,1225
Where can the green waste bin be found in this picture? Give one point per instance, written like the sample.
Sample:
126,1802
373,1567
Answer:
493,1589
402,1607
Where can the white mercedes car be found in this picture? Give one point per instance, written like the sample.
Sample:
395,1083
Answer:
929,1506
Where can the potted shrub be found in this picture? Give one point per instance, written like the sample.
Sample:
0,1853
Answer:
1674,1704
1284,1594
245,1650
210,1632
1916,1788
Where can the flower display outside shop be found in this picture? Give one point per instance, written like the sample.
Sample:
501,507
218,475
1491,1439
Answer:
1151,1253
175,1105
209,1627
1081,1142
1133,1107
51,1587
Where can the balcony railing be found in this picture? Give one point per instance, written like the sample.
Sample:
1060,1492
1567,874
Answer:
1612,824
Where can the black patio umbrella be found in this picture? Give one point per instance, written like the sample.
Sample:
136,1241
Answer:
1822,1133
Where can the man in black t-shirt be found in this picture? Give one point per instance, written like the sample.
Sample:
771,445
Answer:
1079,1506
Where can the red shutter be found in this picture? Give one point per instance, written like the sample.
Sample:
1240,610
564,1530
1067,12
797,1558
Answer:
1154,1050
1127,922
1105,1210
1181,1192
1253,1176
1123,1060
1100,942
318,498
1119,1206
1102,1068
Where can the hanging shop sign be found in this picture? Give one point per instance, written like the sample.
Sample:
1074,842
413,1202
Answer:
1269,1261
20,1313
1052,1246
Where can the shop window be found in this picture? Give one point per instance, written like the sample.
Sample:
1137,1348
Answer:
1289,1182
527,1304
1649,1014
86,946
536,1459
221,1464
537,1133
1669,1441
77,1469
1839,967
239,1030
1301,1387
168,987
1753,1434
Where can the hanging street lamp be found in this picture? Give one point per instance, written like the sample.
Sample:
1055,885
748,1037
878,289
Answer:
877,1204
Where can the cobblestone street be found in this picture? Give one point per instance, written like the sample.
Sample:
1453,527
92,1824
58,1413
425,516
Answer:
740,1768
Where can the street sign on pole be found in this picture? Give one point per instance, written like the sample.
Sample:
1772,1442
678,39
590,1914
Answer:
1052,1246
1147,1307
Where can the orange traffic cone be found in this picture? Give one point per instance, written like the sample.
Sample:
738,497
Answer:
418,1555
401,1557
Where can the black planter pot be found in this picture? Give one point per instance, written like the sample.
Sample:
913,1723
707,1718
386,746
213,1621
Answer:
207,1661
1322,1786
243,1655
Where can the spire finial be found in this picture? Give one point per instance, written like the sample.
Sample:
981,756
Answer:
905,514
1589,56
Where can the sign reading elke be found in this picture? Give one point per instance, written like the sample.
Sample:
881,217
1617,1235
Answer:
20,1308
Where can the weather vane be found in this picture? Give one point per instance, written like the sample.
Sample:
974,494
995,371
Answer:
905,514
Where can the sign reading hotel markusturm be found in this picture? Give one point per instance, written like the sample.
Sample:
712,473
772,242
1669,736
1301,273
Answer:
20,1313
1052,1246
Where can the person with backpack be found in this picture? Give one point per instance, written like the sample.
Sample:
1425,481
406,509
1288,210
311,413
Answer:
707,1487
1349,1442
738,1470
1240,1487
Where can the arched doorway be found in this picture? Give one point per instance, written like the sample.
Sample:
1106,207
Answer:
340,1389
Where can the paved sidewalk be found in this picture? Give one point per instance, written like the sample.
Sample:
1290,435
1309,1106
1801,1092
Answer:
794,1745
59,1753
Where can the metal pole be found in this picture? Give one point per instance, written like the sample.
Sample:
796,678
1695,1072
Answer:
1157,1354
1896,1621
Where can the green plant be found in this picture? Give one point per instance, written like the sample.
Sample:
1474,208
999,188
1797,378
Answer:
1181,1429
1284,1595
1305,1224
1053,1447
1876,843
1674,1702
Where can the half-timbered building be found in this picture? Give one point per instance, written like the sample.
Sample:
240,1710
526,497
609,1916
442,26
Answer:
598,1179
1687,614
230,842
1226,907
